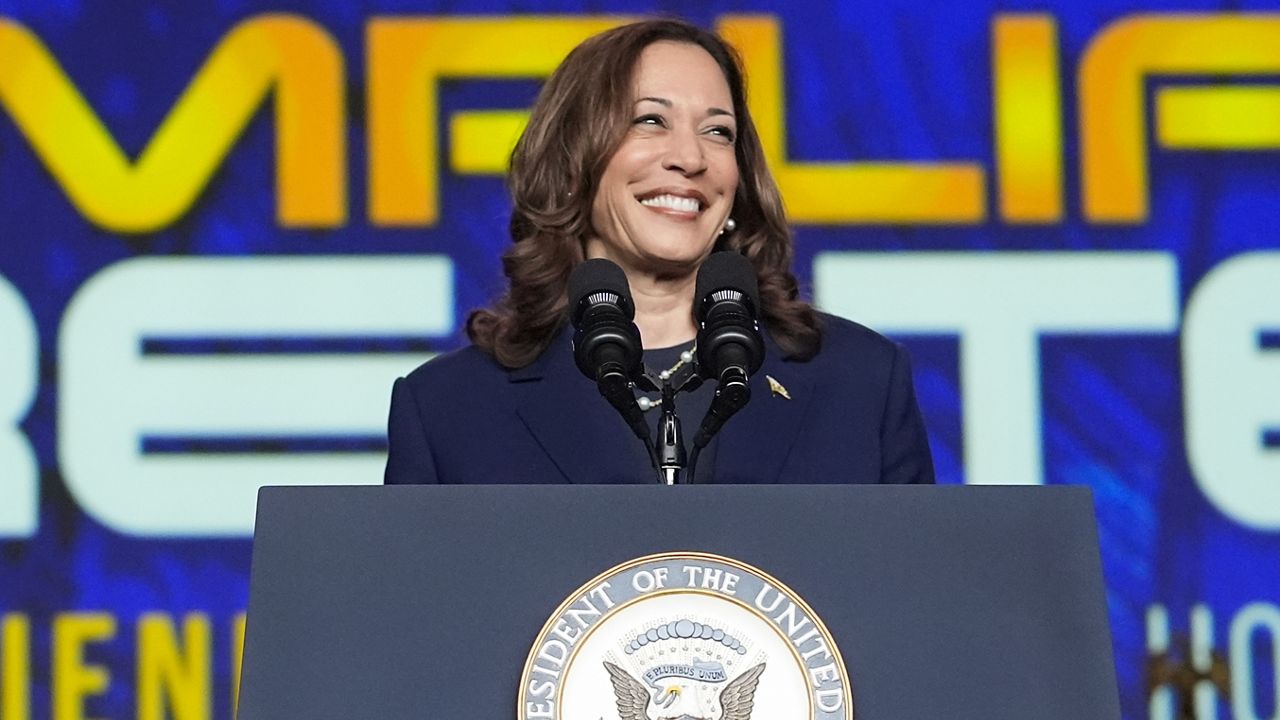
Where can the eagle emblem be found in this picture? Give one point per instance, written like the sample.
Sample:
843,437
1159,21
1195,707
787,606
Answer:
682,697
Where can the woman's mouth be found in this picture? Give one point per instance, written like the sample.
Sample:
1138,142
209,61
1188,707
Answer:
673,202
682,202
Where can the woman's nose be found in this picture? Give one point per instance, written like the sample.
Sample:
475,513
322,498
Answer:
685,153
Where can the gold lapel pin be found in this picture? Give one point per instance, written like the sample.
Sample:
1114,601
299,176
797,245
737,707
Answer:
777,387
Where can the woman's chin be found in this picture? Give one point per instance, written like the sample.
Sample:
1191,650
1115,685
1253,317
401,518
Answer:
672,266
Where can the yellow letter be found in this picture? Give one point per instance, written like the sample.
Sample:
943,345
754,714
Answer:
407,57
1113,73
15,681
73,678
862,192
237,661
291,55
1028,117
163,672
1218,118
480,141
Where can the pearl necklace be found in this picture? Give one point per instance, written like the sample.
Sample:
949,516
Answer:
646,403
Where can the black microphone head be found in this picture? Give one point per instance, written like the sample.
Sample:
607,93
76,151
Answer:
727,305
606,343
596,281
726,272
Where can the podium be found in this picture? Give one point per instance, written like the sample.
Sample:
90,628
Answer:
980,603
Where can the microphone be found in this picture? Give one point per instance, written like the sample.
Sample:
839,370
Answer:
730,347
606,343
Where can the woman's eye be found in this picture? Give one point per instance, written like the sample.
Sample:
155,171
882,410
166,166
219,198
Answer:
723,131
649,120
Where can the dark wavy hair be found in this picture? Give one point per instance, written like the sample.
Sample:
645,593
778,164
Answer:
579,120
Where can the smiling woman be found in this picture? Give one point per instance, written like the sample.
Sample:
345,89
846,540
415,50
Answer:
640,150
667,192
656,108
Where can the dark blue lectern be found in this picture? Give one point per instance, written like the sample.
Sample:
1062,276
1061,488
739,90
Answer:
964,603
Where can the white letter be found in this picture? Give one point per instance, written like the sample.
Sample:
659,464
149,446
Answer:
1161,704
562,630
1200,645
824,674
764,593
1232,388
111,394
999,304
691,572
19,474
602,593
830,701
1252,618
557,658
730,584
643,581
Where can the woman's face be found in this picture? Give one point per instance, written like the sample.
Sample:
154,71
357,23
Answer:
668,189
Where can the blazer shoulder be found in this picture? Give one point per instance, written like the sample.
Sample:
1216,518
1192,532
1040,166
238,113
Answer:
870,381
843,338
457,370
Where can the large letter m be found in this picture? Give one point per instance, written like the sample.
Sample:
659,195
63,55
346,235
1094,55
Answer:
289,55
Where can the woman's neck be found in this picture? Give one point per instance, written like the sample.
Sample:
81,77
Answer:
664,310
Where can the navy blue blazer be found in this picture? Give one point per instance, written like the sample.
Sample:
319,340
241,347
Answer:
852,418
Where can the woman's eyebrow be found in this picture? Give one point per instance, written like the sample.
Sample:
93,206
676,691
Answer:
712,111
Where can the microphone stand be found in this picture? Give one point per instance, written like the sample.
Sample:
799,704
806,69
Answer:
667,453
670,442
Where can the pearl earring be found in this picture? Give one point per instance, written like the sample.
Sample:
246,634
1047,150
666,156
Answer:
729,226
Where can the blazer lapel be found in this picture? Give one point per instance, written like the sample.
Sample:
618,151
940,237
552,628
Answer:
582,434
754,444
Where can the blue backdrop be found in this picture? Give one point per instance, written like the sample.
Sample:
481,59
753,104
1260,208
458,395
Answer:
1066,211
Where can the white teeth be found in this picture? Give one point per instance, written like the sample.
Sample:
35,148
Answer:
672,202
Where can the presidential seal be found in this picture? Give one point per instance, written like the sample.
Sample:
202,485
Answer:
684,636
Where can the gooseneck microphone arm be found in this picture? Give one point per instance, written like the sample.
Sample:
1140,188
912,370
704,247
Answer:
606,341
